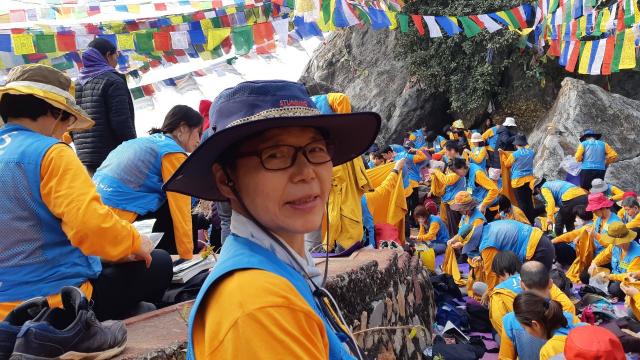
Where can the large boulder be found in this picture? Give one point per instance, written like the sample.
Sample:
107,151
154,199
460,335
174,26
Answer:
580,106
363,63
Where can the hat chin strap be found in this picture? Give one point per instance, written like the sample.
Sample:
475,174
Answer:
319,292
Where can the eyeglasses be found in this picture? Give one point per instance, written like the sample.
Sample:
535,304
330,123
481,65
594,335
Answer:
282,157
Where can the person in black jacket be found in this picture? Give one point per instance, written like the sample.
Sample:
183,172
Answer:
506,135
103,93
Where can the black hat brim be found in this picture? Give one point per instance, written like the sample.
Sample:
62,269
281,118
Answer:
352,134
595,136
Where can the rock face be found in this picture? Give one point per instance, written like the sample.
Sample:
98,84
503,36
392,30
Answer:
363,64
580,106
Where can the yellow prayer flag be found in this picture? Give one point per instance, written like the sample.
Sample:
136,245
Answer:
582,23
125,42
135,8
5,18
628,57
205,55
392,18
503,16
216,36
206,25
176,19
303,6
584,58
23,44
231,10
606,14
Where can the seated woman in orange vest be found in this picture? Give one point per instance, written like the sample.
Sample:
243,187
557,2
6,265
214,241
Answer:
130,179
269,135
56,230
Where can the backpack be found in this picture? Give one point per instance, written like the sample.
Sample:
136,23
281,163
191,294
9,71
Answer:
473,350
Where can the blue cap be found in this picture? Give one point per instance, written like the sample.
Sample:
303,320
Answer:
254,107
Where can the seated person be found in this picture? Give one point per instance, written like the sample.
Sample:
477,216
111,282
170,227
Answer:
600,205
544,319
622,253
432,230
576,247
630,212
533,276
130,179
611,191
56,229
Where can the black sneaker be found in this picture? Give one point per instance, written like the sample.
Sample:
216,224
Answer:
11,325
70,333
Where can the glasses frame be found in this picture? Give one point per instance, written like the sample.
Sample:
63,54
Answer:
297,150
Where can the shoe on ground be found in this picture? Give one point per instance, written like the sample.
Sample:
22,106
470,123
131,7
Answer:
71,332
11,325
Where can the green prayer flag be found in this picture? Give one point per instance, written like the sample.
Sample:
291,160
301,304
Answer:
363,16
291,4
512,18
403,20
242,39
217,24
249,16
617,53
144,42
553,6
578,29
469,26
267,10
596,29
137,93
217,52
326,11
45,43
63,65
629,14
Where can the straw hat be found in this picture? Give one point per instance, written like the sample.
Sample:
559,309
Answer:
618,234
50,85
509,122
463,202
476,138
598,201
458,124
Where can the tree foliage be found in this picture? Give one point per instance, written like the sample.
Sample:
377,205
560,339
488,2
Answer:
469,71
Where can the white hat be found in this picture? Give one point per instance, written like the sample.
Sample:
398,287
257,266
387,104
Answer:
598,186
509,122
494,174
476,138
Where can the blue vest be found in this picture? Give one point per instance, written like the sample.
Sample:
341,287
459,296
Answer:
523,163
558,188
322,103
420,141
527,346
475,215
241,254
476,151
600,229
492,142
619,265
477,191
369,237
450,191
37,258
437,144
131,176
594,157
443,234
507,235
512,284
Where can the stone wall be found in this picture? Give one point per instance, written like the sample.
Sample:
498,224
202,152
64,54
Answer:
383,294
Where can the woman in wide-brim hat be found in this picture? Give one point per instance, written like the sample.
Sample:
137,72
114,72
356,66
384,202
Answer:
272,157
51,206
622,252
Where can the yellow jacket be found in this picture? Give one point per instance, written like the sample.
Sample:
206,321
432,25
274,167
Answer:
605,258
387,202
585,250
71,196
633,223
430,235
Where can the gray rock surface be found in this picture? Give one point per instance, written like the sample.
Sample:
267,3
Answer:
363,63
580,106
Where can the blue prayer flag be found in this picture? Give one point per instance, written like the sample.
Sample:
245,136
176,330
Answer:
5,43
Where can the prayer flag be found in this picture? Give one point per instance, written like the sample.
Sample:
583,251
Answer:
577,9
162,41
392,19
344,15
379,19
434,29
5,43
629,13
216,36
125,42
518,17
489,23
160,6
595,65
263,35
242,38
585,53
403,20
17,16
45,43
180,40
137,93
608,55
617,53
448,24
628,56
197,37
306,29
574,54
144,42
597,28
620,17
281,27
470,28
82,41
417,21
501,19
612,17
23,44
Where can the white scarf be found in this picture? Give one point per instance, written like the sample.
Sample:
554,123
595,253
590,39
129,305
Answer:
245,228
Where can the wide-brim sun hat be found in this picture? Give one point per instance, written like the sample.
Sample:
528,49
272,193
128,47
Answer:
590,133
50,85
476,138
463,201
253,107
618,234
598,201
458,124
598,186
509,122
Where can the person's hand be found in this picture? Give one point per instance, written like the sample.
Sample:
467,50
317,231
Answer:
629,290
452,241
482,208
485,298
400,164
144,253
457,246
412,151
413,237
635,275
592,269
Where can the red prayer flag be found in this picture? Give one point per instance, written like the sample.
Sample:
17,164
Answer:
573,56
92,29
160,6
198,16
554,49
518,15
162,41
574,30
171,59
180,52
608,55
621,24
134,26
216,4
18,31
225,21
148,90
477,20
226,45
279,2
66,41
417,20
155,64
263,38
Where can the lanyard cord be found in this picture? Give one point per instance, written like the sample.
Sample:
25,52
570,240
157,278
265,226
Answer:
328,308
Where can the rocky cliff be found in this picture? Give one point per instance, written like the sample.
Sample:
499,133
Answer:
580,106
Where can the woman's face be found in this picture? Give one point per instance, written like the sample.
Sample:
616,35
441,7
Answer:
188,138
288,202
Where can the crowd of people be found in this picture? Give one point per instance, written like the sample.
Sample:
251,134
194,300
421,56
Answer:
284,175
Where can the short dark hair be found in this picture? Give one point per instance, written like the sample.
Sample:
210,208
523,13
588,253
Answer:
452,145
581,212
386,149
459,164
506,263
28,106
431,136
104,46
378,155
630,201
529,307
504,203
420,211
535,275
178,115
